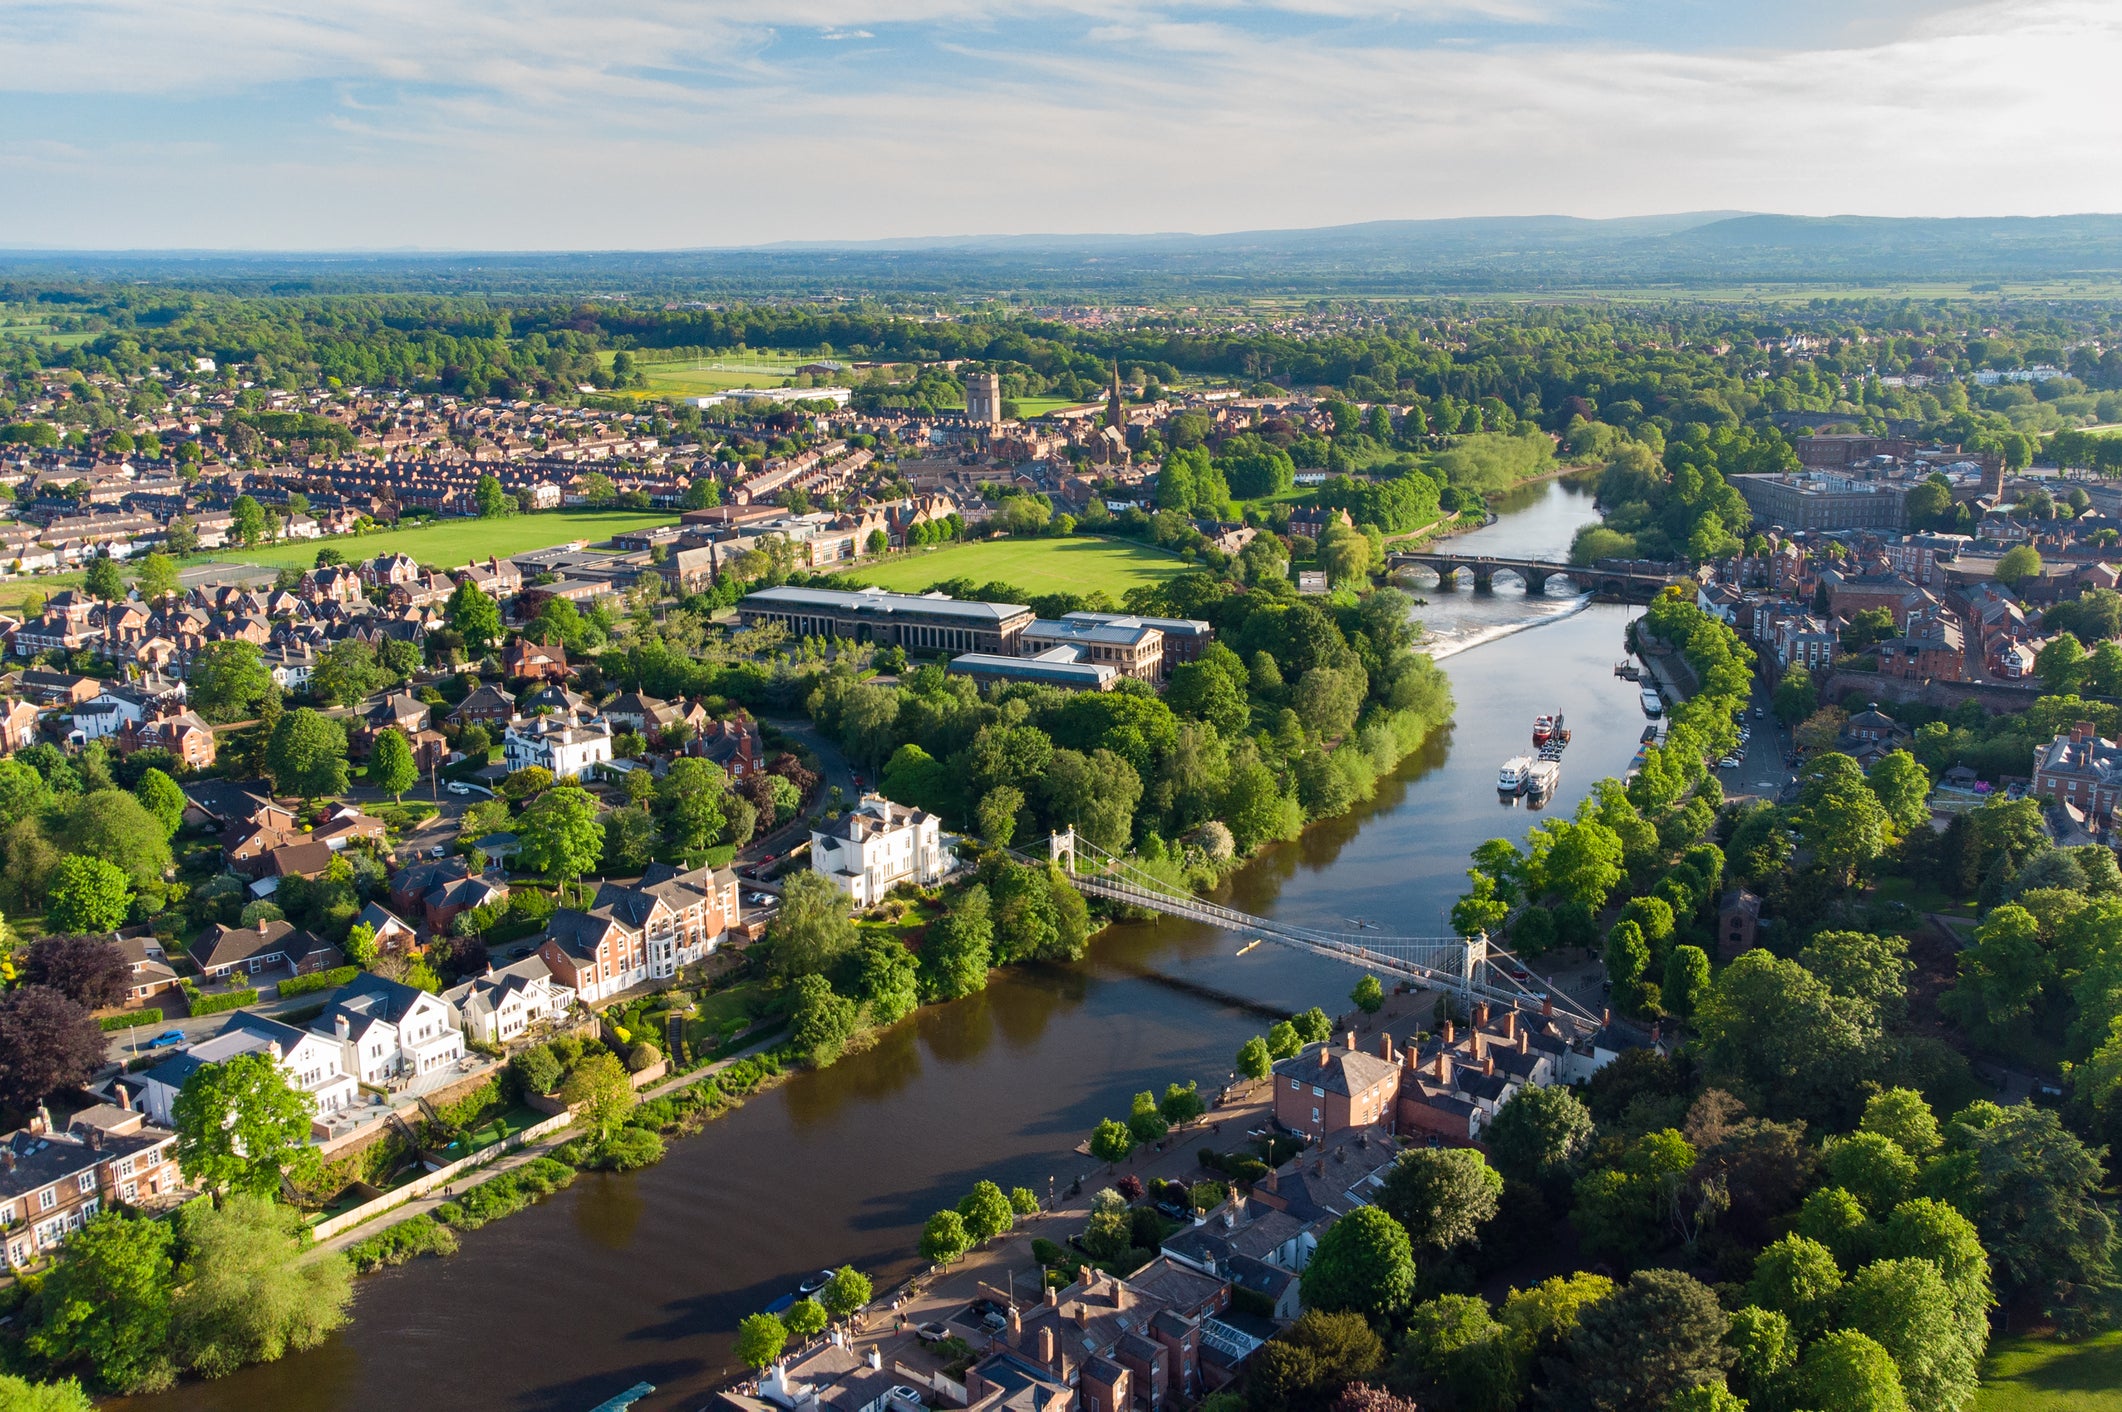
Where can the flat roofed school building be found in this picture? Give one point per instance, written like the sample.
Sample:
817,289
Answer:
918,622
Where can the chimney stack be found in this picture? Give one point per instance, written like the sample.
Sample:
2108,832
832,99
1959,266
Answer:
1053,1297
125,1098
1480,1012
1444,1068
341,1028
1350,1040
1016,1326
1606,1017
1325,1053
1510,1023
1547,1005
1385,1048
1046,1345
1488,1066
1525,1038
1451,1032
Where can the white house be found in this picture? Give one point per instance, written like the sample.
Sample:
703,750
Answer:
500,1005
310,1061
569,750
384,1030
877,846
110,711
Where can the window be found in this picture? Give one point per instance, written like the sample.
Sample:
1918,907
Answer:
129,1190
47,1199
86,1182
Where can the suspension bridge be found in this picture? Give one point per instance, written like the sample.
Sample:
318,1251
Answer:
1472,968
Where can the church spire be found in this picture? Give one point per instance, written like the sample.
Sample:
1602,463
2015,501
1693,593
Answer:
1114,417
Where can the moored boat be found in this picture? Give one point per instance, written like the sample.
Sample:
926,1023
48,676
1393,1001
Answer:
1511,778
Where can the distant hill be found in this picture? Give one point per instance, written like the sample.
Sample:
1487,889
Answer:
1484,255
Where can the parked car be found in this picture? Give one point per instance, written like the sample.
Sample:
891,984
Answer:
166,1039
458,787
931,1332
1172,1210
902,1396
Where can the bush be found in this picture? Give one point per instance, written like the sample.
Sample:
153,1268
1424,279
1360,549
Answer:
322,980
642,1056
132,1020
538,1070
408,1240
628,1149
506,1194
217,1004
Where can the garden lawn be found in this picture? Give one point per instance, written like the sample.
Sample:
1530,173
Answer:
2048,1375
1078,564
450,544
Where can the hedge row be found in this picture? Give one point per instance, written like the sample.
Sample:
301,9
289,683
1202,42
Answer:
408,1240
132,1020
506,1194
216,1004
322,980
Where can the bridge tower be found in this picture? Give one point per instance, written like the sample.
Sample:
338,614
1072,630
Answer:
1474,957
1063,846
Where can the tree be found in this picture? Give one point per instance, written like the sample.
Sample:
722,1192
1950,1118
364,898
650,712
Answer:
249,521
1313,1026
1540,1133
1905,1307
107,1304
1651,1340
1455,1354
103,582
242,1128
1144,1120
1254,1062
959,951
599,1090
559,834
1902,787
20,1396
1772,1032
1364,1264
1901,1116
760,1339
845,1293
1627,954
475,617
228,681
986,1212
1843,823
345,673
888,981
944,1240
1795,696
813,929
1850,1373
998,814
47,1042
494,502
691,795
113,825
157,578
537,1069
1283,1041
1798,1278
87,895
390,763
1306,1366
2030,1187
247,1293
1870,969
306,754
2018,564
85,969
1181,1104
161,796
2002,974
1369,995
1442,1195
805,1319
1686,980
820,1021
1873,1168
1111,1141
1023,1201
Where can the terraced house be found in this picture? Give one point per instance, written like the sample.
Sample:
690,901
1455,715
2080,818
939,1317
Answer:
641,931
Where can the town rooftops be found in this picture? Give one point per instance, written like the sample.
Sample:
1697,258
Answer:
878,602
1337,1069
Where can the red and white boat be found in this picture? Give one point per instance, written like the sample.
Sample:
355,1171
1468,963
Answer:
1543,729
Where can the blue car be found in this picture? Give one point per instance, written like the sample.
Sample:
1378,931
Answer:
166,1039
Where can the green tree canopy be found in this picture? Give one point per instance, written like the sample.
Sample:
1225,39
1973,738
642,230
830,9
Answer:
1364,1264
241,1127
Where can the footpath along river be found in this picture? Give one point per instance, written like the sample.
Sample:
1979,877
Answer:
643,1277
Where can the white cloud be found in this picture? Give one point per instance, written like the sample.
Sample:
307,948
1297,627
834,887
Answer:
561,125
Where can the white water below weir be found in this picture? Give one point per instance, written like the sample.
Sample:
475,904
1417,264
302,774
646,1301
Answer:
1471,967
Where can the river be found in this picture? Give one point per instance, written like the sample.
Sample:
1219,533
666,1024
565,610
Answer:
644,1276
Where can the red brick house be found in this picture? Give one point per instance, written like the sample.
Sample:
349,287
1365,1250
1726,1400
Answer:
534,661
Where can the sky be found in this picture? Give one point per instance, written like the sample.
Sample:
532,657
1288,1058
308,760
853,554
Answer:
661,124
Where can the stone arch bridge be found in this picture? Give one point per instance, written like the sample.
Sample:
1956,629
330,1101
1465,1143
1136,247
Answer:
1609,578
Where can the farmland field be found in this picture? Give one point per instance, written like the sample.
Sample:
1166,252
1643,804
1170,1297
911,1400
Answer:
1034,565
2046,1375
452,543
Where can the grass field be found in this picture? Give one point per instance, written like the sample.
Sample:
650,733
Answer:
1040,406
1034,565
694,377
452,542
2043,1375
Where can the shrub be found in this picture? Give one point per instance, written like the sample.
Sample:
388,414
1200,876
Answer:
322,980
217,1004
642,1056
629,1148
538,1070
132,1020
408,1240
506,1194
1049,1254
